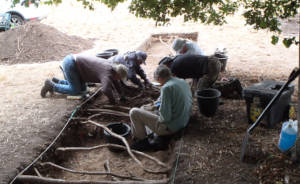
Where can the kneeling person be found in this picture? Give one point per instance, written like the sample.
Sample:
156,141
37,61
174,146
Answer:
80,69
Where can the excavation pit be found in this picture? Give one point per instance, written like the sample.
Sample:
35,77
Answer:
81,153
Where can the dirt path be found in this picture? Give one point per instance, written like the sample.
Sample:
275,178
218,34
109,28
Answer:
28,122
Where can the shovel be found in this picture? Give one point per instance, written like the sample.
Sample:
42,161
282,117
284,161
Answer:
292,77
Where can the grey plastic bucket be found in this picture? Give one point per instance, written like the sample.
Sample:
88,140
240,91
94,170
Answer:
114,51
105,55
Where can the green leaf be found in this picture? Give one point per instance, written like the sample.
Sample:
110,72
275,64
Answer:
287,42
261,14
274,40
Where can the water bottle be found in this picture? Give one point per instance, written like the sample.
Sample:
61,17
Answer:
288,135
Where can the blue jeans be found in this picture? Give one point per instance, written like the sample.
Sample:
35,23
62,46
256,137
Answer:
72,85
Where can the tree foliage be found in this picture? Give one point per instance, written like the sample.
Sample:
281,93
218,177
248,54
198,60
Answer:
261,14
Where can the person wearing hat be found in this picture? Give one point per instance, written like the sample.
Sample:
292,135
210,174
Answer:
204,69
133,60
80,69
183,46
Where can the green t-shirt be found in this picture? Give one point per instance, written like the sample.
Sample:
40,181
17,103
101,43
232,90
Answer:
176,104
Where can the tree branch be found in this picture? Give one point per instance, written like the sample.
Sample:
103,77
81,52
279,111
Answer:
43,180
108,111
117,106
90,173
107,169
127,148
114,146
37,172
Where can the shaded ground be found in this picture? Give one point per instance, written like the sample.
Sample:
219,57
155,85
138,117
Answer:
211,149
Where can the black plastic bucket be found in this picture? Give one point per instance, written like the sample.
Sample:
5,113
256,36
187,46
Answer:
114,51
208,101
105,55
121,129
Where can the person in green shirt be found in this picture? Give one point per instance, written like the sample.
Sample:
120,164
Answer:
174,110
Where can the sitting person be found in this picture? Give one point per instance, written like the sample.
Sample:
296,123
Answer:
204,68
182,46
133,61
174,110
80,69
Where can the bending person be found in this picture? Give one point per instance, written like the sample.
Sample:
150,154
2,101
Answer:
183,46
133,61
80,69
204,68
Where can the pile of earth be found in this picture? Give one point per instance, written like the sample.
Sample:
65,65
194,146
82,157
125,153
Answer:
35,42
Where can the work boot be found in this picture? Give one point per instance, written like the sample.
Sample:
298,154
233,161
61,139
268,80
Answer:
158,142
55,80
141,145
48,87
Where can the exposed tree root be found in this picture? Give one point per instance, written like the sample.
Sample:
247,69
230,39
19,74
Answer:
90,173
113,146
43,180
127,148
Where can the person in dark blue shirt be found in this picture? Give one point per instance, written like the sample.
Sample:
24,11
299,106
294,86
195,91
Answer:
133,61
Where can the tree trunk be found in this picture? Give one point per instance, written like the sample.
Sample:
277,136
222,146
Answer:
298,111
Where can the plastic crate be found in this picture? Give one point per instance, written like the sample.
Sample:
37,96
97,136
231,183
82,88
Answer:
258,97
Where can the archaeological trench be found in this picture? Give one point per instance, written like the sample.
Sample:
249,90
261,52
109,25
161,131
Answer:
81,153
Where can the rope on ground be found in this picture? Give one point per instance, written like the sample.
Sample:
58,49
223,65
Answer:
177,158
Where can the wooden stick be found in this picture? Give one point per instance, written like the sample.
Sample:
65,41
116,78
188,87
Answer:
79,118
90,173
127,147
117,106
44,180
106,166
108,111
137,96
107,169
96,94
37,172
114,146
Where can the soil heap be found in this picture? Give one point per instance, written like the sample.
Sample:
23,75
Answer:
35,42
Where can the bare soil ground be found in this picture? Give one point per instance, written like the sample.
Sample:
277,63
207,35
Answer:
210,148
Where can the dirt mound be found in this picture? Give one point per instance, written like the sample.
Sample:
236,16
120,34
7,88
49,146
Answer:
36,42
